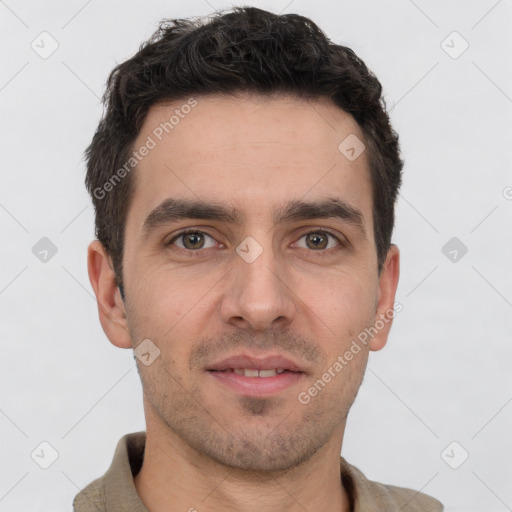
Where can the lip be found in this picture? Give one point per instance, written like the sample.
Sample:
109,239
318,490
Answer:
269,362
256,386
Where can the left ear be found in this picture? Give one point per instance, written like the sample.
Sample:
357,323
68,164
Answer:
388,281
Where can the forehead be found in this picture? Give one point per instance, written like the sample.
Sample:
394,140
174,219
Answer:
249,152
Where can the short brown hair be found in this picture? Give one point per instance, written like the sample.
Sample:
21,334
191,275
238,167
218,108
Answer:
244,50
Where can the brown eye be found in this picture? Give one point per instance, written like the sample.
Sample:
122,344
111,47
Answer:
316,241
319,240
192,240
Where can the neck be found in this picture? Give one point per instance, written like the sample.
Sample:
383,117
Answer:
174,477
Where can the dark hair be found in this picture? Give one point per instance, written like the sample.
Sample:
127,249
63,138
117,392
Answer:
244,50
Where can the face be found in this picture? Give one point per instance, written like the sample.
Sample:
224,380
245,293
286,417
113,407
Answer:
250,235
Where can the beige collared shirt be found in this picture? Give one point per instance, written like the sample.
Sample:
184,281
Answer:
115,490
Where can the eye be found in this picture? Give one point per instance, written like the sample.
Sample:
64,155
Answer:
192,240
319,240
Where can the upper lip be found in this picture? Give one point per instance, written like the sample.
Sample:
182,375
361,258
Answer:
243,361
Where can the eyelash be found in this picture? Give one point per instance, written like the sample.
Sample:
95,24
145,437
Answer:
197,252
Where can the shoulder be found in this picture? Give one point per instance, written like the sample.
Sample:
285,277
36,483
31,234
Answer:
116,486
370,495
91,498
409,500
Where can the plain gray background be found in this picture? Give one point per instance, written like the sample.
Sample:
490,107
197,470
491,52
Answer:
444,376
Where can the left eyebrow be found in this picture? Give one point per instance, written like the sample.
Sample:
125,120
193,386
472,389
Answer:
173,210
332,208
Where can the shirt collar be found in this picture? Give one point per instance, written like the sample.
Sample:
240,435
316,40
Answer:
364,495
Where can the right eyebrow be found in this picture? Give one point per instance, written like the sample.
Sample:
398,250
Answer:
172,210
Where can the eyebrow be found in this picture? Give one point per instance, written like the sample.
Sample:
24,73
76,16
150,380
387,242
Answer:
173,210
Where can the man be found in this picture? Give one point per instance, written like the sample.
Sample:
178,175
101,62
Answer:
244,177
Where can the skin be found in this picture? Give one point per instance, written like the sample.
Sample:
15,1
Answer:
210,448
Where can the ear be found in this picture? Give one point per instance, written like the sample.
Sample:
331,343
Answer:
111,308
388,281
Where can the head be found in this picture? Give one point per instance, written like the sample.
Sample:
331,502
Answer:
272,146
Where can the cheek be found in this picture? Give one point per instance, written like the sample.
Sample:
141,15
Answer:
343,300
154,306
169,309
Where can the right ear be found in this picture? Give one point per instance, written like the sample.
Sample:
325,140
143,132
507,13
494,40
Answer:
111,308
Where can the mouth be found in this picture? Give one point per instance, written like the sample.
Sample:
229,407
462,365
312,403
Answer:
256,376
252,372
248,364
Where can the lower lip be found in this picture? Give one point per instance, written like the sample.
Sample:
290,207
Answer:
257,386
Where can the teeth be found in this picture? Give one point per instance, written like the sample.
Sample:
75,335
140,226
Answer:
250,372
267,373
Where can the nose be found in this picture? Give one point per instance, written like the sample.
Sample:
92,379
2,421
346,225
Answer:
258,294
